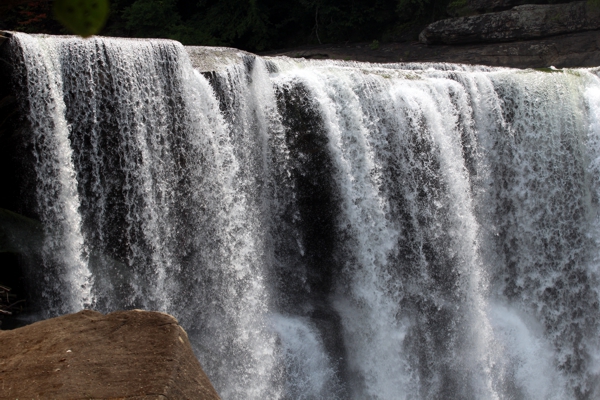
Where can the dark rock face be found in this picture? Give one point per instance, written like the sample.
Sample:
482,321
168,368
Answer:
573,50
130,354
16,235
10,127
520,23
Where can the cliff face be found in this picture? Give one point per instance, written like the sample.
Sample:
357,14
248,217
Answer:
130,354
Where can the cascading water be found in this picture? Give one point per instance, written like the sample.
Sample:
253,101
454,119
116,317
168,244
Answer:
325,230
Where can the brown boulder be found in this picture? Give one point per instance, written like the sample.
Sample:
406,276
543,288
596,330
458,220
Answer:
520,23
88,355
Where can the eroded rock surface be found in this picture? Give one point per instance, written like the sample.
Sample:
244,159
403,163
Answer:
520,23
88,355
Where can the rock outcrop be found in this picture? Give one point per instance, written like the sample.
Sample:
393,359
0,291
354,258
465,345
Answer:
520,23
88,355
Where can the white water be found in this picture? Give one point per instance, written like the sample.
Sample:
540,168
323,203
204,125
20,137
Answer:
326,229
63,254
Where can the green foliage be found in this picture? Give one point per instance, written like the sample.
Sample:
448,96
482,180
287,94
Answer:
458,3
594,3
252,25
351,20
421,11
459,8
82,17
152,17
229,21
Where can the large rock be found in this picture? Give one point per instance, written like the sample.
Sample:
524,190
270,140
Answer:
520,23
123,355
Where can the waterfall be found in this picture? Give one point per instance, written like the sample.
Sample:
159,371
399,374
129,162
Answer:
324,229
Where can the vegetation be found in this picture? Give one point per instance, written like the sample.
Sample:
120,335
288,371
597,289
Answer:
84,18
252,25
257,25
29,16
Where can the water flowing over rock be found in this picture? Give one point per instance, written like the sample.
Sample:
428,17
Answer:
523,22
323,229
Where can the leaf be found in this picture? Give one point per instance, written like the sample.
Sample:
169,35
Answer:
82,17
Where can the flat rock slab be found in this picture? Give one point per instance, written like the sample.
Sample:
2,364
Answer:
88,355
208,59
